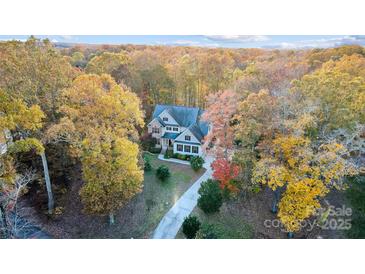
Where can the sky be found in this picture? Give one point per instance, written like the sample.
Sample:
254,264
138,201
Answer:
225,41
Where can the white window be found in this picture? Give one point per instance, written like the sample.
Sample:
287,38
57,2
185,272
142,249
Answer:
187,138
179,147
187,149
175,129
155,130
165,119
168,128
195,149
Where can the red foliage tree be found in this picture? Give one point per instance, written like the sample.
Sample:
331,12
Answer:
225,171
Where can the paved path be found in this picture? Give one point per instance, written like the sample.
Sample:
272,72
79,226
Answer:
172,221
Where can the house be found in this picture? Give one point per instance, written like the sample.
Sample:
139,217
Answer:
179,128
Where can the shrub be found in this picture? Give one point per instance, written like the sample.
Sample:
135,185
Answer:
190,226
181,157
155,150
163,172
147,142
168,154
196,162
208,231
147,164
211,198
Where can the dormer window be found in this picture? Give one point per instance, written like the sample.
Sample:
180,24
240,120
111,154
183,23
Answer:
165,119
187,138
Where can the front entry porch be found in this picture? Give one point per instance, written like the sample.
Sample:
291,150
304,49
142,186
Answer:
166,144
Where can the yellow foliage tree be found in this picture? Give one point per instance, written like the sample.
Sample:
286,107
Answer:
335,93
94,105
111,173
306,174
17,117
100,124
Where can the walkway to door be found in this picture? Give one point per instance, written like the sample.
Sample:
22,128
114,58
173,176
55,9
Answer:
173,219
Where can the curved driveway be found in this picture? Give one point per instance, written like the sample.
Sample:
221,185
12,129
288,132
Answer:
173,219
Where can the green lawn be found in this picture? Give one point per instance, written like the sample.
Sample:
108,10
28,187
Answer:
158,197
138,218
229,224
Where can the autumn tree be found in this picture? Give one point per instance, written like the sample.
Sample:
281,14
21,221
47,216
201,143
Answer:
100,125
257,118
111,173
335,94
225,172
305,174
317,57
35,72
256,121
21,121
11,190
219,113
95,105
114,64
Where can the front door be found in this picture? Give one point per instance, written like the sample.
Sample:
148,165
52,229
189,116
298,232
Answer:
170,143
165,142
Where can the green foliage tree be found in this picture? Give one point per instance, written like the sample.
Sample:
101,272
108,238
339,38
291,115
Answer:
147,164
190,226
196,162
211,198
163,173
208,231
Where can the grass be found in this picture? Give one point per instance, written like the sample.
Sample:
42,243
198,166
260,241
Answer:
228,224
137,219
159,196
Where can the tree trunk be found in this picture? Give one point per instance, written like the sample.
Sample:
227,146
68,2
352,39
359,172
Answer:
111,219
48,184
274,208
4,221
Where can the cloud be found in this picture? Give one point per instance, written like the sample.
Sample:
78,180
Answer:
13,39
185,43
321,43
237,38
67,37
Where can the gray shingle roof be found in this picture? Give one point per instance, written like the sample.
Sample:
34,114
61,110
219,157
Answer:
185,116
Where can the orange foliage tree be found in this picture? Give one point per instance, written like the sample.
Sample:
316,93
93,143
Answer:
225,172
221,108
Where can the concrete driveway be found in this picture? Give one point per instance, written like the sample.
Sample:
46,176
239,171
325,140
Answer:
172,221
